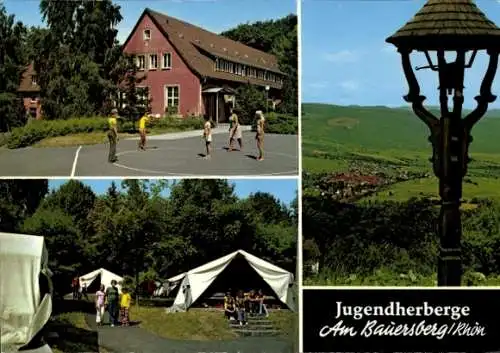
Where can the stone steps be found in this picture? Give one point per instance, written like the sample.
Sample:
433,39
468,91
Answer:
266,326
257,326
244,332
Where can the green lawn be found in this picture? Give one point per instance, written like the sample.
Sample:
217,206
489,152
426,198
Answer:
428,187
94,138
203,325
337,139
194,324
387,278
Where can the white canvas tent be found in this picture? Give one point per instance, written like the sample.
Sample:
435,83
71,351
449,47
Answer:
23,310
106,278
194,282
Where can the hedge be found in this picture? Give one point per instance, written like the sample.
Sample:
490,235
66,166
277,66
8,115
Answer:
280,124
38,130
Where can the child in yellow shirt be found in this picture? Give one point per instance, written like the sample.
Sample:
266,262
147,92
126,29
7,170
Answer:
125,300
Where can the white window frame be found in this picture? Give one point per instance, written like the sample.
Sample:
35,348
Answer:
146,37
167,98
139,62
34,80
163,63
151,66
139,96
122,97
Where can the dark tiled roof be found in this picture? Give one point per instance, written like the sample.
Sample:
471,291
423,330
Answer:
191,41
454,23
25,84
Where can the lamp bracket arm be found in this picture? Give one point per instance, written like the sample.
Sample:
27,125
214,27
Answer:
413,95
426,116
485,96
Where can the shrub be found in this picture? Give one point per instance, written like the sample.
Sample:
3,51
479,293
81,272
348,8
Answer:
189,123
37,130
279,124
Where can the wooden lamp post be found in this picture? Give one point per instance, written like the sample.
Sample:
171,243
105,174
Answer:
443,26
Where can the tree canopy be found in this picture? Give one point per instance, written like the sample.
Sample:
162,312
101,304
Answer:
147,228
278,37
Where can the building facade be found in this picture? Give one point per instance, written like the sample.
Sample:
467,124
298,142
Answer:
191,71
29,91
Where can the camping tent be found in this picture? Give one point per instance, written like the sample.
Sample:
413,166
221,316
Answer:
23,258
194,282
106,278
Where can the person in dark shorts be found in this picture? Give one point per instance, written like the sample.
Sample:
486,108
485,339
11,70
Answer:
112,300
75,285
229,306
113,135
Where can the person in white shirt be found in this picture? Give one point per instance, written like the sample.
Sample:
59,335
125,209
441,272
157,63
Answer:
207,136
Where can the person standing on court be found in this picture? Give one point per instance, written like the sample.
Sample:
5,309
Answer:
113,135
142,130
207,136
235,131
259,137
112,299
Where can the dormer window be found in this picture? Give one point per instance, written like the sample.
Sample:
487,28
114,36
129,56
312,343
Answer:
147,34
34,80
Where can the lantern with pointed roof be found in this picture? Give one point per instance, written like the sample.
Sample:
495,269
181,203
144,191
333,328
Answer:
443,27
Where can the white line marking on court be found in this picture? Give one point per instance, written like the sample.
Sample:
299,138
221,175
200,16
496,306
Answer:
75,161
150,171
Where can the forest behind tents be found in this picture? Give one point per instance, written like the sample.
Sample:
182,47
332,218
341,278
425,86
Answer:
152,229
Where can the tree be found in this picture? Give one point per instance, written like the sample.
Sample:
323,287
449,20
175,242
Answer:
268,208
250,99
278,37
63,242
12,65
136,102
77,57
19,199
75,199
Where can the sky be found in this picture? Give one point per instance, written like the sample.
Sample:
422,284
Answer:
213,15
284,190
346,61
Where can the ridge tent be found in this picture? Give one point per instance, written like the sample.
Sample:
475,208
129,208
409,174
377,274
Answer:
25,290
106,278
196,281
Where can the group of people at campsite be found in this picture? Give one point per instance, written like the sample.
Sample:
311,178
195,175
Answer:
240,306
108,299
235,134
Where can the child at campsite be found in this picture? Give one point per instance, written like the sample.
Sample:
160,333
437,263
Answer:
99,305
112,295
125,301
229,308
240,308
260,300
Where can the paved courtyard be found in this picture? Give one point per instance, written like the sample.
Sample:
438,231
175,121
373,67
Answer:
137,340
165,156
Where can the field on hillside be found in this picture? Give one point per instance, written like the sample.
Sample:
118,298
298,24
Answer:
370,198
337,139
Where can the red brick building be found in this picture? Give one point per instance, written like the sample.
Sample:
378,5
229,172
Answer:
29,90
191,71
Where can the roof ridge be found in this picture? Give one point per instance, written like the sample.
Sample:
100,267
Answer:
209,32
